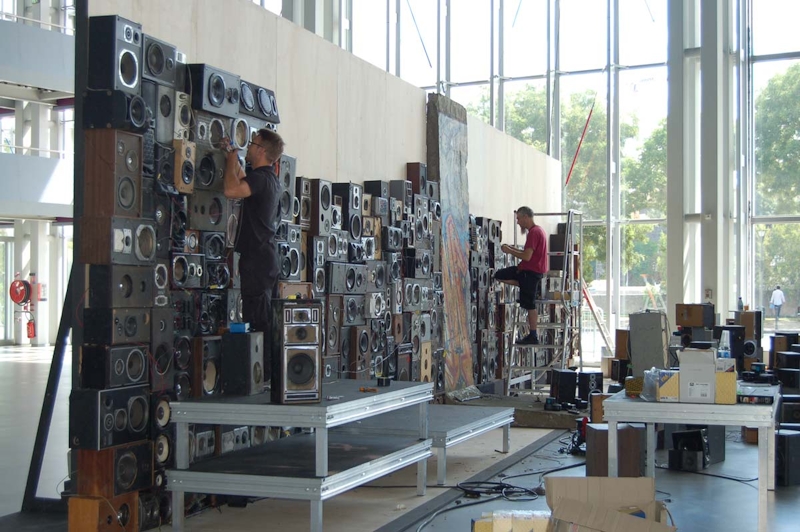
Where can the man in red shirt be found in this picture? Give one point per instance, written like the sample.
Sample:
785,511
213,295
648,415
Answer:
529,272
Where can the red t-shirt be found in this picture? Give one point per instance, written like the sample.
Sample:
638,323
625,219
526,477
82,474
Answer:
537,241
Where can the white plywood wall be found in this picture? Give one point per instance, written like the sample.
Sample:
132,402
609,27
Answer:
344,119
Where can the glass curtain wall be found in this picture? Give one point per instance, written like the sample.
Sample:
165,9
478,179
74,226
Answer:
774,63
537,69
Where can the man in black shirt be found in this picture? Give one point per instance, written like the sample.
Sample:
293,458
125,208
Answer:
258,264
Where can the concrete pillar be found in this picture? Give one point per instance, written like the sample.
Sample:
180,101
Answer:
21,269
40,129
54,287
40,265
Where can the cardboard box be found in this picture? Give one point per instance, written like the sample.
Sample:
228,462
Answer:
577,516
750,435
695,315
669,387
698,375
512,521
596,406
725,393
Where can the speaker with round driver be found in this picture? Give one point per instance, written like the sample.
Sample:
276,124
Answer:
106,418
214,90
115,54
296,352
100,514
105,367
206,365
112,472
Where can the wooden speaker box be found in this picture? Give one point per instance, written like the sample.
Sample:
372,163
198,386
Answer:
630,450
98,514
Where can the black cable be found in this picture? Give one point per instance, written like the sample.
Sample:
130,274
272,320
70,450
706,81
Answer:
546,471
725,477
437,513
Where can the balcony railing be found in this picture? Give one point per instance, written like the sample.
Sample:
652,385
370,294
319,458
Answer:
44,24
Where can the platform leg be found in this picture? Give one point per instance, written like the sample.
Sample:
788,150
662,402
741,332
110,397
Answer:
506,438
422,477
316,516
441,466
763,475
321,437
650,467
771,457
177,511
612,448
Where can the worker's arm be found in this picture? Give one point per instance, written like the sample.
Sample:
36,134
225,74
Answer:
235,186
522,254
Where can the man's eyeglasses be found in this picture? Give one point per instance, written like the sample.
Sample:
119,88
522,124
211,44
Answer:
255,144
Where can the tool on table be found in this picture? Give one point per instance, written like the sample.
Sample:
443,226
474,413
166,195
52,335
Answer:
368,390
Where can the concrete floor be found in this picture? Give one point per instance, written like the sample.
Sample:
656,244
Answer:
696,503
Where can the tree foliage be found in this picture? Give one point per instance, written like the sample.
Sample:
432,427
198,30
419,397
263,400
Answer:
643,179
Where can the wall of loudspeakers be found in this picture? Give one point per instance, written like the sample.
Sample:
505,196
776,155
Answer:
163,285
160,271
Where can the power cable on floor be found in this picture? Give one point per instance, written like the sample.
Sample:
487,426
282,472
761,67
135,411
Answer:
437,513
725,477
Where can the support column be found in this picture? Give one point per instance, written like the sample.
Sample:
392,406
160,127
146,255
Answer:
713,184
54,284
21,267
40,265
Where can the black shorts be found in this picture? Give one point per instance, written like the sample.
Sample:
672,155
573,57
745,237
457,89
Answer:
530,284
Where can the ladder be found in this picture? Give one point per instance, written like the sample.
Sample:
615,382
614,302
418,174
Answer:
559,321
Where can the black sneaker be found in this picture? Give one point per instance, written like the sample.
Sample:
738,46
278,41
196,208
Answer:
531,339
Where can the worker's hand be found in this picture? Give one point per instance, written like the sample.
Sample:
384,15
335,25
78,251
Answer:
505,248
227,146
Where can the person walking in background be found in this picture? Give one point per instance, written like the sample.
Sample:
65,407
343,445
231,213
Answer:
776,302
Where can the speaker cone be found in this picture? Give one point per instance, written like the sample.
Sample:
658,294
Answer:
264,104
355,227
137,414
363,342
128,68
207,170
126,470
216,90
248,100
183,353
210,376
163,412
135,365
163,358
155,59
125,286
180,270
325,197
350,279
319,280
145,243
162,449
130,326
300,369
333,336
183,387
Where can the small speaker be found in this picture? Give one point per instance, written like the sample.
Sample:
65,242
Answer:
258,102
331,369
695,440
112,367
360,353
117,241
187,271
160,61
99,514
286,192
214,90
787,458
417,174
206,365
790,412
115,53
333,323
208,211
210,167
789,377
106,418
588,382
184,166
119,286
243,363
107,326
562,385
112,472
351,195
354,310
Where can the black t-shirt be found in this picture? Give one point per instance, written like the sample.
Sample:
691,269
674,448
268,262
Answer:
259,216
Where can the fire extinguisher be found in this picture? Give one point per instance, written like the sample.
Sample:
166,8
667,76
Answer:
31,327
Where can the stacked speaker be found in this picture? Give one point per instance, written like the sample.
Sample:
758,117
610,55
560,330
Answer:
157,238
490,312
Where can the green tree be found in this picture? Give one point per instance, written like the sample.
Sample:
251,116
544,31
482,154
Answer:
644,178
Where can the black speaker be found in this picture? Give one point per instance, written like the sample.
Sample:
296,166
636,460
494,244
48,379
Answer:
206,365
695,440
321,202
296,355
789,377
162,338
787,359
258,102
117,240
210,167
351,194
112,367
213,90
333,323
208,211
787,458
589,381
417,174
562,385
106,418
286,181
119,286
160,61
115,53
692,460
114,109
187,271
243,363
108,326
790,412
360,360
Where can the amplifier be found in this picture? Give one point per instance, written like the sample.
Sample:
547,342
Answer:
294,290
562,385
243,363
100,514
106,418
113,179
206,365
119,286
112,472
105,367
107,326
117,240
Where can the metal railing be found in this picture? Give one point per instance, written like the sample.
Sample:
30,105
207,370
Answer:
52,26
20,150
